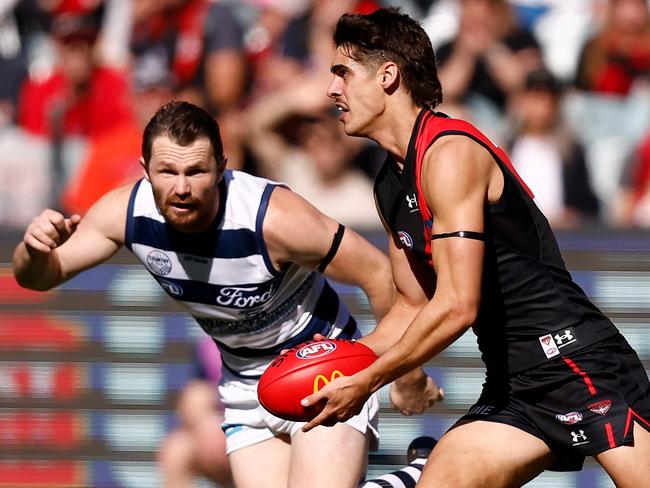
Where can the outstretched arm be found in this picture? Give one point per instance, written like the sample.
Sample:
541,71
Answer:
456,176
55,248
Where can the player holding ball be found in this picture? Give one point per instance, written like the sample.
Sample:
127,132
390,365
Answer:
471,249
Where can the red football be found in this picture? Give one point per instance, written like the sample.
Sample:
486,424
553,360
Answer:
304,369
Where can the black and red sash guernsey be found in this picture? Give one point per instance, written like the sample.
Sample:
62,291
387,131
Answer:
527,293
391,184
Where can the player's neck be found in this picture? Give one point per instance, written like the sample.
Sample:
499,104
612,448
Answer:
394,130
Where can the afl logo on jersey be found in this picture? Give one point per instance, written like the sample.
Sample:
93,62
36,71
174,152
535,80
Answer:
172,288
405,239
159,263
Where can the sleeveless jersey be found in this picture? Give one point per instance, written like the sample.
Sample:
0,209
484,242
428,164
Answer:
531,310
225,278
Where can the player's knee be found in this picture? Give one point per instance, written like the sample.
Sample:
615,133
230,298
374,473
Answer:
176,453
198,399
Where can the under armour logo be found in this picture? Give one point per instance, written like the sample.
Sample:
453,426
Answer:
579,437
560,339
412,201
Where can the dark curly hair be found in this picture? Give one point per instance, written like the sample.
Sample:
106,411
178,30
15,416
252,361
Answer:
388,35
183,123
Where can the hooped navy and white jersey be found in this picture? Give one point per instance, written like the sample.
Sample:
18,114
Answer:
226,280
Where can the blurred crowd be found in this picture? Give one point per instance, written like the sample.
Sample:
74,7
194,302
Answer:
562,84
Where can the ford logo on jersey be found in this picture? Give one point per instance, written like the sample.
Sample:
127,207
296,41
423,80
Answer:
244,296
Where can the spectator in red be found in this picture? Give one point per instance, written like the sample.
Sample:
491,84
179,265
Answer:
77,6
80,97
200,43
112,159
619,54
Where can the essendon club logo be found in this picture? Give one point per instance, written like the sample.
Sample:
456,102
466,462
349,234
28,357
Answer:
601,407
322,380
549,346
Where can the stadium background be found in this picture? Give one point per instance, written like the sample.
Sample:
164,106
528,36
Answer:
89,373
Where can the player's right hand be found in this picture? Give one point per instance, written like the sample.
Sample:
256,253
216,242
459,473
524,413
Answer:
414,393
48,231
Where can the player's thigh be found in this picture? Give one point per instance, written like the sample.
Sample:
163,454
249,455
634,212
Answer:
340,451
263,464
478,454
629,466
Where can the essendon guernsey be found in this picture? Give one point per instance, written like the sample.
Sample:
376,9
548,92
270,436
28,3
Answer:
531,310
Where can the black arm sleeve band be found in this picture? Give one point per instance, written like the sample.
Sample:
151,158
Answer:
336,242
467,234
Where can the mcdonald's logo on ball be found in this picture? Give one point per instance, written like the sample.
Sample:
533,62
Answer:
322,379
304,370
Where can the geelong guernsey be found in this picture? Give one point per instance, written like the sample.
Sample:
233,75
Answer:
531,310
224,277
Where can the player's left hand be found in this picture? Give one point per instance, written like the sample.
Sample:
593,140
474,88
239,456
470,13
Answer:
343,398
317,337
414,392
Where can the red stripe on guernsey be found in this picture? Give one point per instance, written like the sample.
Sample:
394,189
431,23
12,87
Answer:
631,413
585,376
430,129
610,435
423,140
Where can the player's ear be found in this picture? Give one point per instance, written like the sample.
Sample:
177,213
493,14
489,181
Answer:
145,171
221,167
389,75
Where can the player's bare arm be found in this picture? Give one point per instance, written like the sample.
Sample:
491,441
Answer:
295,231
414,391
456,177
55,248
414,289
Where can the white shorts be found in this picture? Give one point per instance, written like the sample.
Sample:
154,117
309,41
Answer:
246,422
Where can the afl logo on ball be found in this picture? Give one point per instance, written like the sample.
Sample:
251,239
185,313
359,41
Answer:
405,239
315,350
158,262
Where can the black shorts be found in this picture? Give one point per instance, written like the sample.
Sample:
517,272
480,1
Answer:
579,405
